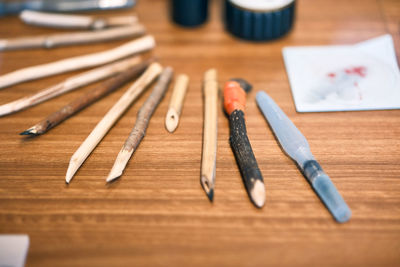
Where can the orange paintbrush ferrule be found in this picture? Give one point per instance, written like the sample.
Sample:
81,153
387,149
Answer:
234,97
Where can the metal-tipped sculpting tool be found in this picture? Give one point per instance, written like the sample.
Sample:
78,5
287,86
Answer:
296,146
234,103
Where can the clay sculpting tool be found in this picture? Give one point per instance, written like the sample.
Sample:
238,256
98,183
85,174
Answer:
141,124
86,100
176,103
296,146
73,38
76,63
69,21
110,118
209,155
234,103
69,84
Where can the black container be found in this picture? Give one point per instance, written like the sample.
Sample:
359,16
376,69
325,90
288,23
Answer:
189,13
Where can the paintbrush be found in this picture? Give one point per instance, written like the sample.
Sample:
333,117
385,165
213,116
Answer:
110,118
87,99
141,124
234,103
296,146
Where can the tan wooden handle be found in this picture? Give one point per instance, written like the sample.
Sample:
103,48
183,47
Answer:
76,63
176,102
208,165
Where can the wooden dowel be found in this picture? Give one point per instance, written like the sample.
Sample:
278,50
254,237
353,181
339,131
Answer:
67,21
176,102
76,63
208,162
141,124
86,100
69,84
110,118
75,38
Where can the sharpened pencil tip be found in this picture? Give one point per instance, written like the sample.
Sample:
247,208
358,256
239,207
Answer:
258,194
30,131
208,187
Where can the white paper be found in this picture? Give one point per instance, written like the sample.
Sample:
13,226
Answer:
13,250
364,76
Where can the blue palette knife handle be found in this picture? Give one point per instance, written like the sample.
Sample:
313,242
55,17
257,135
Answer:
296,146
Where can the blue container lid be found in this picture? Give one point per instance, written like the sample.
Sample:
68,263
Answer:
189,13
257,20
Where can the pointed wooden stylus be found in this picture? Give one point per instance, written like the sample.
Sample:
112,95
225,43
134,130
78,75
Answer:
209,152
141,124
110,118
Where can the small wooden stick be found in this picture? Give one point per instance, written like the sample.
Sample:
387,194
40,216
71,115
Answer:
208,162
176,103
74,38
65,21
76,63
141,124
110,118
86,100
69,84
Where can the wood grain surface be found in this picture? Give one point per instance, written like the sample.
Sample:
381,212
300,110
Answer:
157,214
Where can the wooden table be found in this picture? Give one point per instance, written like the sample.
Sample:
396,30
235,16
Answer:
157,214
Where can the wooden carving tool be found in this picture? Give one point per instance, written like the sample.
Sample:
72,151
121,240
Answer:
176,102
69,84
110,118
86,100
77,63
141,124
66,21
234,104
73,38
209,155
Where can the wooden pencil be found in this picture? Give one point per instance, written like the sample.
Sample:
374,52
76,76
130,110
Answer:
86,100
76,63
176,102
110,118
209,155
141,124
69,84
68,21
73,38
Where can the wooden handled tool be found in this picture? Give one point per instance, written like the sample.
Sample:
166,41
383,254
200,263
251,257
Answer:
69,84
72,38
141,124
67,21
176,103
87,99
76,63
234,104
208,161
110,118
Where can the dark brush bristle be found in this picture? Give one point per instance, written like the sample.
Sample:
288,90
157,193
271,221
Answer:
245,85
